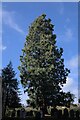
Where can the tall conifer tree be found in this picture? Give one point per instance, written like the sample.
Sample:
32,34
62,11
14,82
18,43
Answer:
10,90
42,69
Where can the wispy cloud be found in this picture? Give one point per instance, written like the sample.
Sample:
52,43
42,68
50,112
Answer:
68,86
61,9
9,19
72,81
69,82
72,87
2,47
24,97
68,34
73,62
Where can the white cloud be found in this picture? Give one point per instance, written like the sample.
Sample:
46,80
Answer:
24,97
73,62
72,86
8,19
72,81
72,65
61,8
2,47
69,82
68,34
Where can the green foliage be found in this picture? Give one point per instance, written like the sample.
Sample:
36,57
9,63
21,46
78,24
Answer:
42,68
10,90
66,99
69,99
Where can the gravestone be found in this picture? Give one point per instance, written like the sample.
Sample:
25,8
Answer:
60,114
54,113
29,113
22,113
77,114
38,116
72,113
65,114
41,112
42,109
18,113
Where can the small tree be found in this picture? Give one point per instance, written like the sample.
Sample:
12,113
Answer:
42,68
68,99
10,90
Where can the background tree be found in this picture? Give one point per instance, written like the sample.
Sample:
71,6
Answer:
67,99
79,100
42,68
10,90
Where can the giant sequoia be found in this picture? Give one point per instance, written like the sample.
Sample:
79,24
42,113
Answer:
42,68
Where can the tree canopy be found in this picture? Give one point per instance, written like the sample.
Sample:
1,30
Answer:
42,68
10,90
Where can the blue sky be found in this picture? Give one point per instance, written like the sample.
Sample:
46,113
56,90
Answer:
17,17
